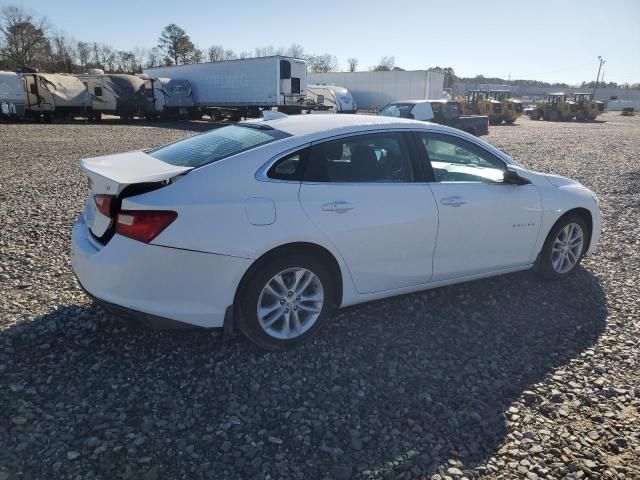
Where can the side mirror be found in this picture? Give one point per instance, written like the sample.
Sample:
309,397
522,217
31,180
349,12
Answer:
511,177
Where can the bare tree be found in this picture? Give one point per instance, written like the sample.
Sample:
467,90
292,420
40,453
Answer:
63,52
25,36
385,64
296,51
84,53
154,57
215,53
244,54
264,51
322,63
229,54
353,64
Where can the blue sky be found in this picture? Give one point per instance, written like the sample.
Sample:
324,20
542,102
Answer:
542,40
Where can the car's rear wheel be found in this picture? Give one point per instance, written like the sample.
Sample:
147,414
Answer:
286,301
564,248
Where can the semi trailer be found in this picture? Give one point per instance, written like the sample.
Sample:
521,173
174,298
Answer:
374,90
245,87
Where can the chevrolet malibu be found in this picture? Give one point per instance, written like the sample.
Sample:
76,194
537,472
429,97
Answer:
271,225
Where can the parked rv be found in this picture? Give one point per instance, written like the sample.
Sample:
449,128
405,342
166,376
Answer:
374,90
169,98
12,95
115,94
338,99
242,88
54,94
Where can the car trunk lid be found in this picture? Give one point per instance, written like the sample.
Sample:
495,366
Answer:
114,177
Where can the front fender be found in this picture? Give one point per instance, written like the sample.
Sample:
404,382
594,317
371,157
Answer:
559,200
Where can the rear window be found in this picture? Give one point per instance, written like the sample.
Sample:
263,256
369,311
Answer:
215,145
402,110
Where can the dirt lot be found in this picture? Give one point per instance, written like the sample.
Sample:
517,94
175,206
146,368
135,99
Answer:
503,378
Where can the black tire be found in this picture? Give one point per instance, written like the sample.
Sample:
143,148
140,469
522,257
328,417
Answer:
544,266
552,116
248,322
510,121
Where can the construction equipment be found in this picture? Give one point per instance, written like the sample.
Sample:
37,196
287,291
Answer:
588,108
511,108
478,102
555,108
628,112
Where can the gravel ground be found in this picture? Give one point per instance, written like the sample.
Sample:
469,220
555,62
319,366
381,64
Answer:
503,378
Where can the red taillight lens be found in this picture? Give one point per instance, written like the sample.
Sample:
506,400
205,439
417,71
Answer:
103,203
143,226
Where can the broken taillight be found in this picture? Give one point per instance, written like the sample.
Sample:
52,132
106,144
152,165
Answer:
143,225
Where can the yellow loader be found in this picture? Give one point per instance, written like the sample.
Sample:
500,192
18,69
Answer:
478,102
555,108
588,108
511,108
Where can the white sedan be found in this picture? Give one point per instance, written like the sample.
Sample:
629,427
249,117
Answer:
270,225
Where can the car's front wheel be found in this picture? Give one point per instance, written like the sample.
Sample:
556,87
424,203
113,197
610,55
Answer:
286,301
564,248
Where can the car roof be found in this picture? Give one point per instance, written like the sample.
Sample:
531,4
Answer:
416,102
311,128
299,125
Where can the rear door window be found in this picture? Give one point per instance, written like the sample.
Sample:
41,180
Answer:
372,158
215,145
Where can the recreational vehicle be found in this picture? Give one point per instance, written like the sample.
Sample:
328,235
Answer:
12,95
54,94
241,88
338,99
169,98
115,94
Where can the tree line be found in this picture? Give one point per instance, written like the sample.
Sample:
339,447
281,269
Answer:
30,40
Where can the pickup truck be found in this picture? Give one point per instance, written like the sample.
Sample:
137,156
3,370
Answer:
444,112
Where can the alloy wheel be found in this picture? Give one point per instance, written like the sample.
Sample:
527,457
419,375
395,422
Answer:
567,248
290,303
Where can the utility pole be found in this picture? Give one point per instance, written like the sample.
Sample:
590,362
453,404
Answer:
602,62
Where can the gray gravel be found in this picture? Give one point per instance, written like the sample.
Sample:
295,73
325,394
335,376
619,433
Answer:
503,378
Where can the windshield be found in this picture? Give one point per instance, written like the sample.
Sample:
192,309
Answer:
215,145
402,110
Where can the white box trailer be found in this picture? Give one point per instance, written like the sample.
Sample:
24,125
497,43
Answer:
243,87
12,95
374,90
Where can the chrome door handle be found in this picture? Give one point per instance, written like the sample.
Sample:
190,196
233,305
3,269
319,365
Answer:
454,201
